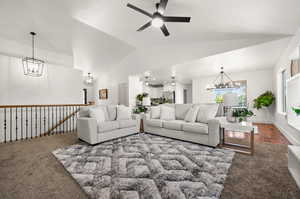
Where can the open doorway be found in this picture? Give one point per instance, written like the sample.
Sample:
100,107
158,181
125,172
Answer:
185,97
84,93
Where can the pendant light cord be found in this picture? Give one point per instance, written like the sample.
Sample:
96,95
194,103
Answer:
33,46
33,34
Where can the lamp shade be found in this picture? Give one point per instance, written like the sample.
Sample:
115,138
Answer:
146,101
231,99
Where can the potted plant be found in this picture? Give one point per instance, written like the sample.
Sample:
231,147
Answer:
140,108
242,114
264,100
296,110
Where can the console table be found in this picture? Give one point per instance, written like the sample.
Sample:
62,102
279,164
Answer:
244,127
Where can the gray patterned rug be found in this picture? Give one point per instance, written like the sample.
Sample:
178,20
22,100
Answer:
149,167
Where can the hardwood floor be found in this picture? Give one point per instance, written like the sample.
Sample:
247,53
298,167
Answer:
267,133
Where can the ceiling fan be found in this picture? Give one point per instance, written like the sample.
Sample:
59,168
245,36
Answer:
158,19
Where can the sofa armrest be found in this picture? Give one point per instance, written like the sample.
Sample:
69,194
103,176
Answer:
214,132
87,129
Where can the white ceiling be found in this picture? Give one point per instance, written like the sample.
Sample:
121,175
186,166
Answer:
101,34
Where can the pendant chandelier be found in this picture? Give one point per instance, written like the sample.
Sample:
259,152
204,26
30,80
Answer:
32,66
89,79
173,80
170,86
223,81
147,78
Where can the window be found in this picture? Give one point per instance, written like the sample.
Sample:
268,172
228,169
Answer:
283,91
241,92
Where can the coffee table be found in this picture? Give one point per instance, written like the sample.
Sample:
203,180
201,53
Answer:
244,127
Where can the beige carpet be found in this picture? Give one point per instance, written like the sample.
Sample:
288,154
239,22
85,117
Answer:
29,170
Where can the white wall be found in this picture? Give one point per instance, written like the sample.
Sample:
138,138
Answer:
284,63
179,98
135,87
124,94
257,83
58,85
105,82
189,88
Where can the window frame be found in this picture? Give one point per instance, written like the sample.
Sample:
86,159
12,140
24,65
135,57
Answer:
283,91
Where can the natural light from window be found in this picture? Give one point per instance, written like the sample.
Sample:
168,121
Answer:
241,92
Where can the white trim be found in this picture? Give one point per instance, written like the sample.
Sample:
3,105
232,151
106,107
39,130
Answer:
282,113
294,77
290,138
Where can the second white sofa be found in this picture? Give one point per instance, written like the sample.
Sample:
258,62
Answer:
203,129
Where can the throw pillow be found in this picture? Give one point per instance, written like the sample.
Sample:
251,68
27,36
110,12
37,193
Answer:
123,113
97,113
155,112
167,113
181,110
112,112
192,114
207,112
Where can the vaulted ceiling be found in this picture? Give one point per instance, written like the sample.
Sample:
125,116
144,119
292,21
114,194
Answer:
101,34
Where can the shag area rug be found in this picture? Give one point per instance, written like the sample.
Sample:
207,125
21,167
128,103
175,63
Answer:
149,167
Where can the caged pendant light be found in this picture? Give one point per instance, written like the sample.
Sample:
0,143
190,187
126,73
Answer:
32,66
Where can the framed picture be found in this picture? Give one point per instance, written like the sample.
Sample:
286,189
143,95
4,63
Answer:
295,69
103,94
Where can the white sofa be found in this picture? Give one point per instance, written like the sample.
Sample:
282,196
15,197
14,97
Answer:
204,130
93,132
294,162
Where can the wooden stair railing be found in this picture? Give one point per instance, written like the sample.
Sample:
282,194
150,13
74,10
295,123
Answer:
18,122
62,122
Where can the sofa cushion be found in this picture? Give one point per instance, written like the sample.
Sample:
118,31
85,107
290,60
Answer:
181,110
108,126
127,123
192,114
123,112
167,113
195,128
155,112
154,123
173,125
112,112
84,112
98,113
207,112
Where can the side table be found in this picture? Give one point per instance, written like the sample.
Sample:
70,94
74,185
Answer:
245,127
140,119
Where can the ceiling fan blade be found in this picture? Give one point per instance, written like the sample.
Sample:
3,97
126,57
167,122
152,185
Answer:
162,6
165,30
144,26
176,19
139,10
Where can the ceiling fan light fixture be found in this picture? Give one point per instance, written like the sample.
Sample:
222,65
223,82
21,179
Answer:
157,22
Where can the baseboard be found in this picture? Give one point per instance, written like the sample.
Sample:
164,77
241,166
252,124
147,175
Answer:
290,138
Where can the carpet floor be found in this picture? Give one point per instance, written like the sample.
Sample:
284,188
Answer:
28,169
